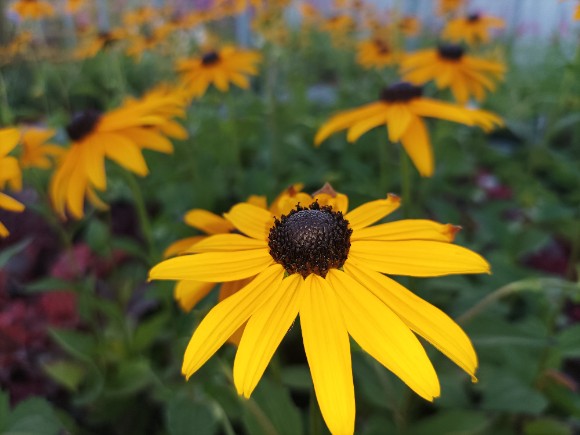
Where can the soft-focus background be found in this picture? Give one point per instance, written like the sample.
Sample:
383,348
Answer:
88,346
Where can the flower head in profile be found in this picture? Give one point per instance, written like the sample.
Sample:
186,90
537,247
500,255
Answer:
220,68
10,174
32,9
37,152
472,29
401,108
327,265
377,53
450,67
119,135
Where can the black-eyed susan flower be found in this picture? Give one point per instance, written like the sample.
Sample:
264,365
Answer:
473,29
37,152
401,108
450,67
220,68
328,266
445,7
32,9
376,53
94,43
409,26
10,174
120,135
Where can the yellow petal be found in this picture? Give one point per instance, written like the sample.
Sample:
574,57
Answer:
10,204
264,332
382,334
181,246
418,146
227,243
93,155
124,152
251,220
9,137
189,293
408,229
425,319
399,119
226,317
3,231
207,222
427,107
364,125
371,212
213,266
328,353
416,258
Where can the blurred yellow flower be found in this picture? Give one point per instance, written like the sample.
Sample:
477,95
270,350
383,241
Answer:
36,152
328,265
10,174
120,135
376,53
445,7
450,67
92,44
401,108
32,9
74,6
472,29
220,68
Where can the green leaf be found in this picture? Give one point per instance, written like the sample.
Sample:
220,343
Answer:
7,253
543,426
452,422
75,343
47,285
271,409
131,377
568,341
184,416
33,416
148,331
66,373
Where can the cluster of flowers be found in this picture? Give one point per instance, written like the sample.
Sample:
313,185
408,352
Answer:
303,255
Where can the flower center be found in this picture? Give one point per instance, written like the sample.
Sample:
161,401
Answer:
82,124
401,91
473,18
310,239
451,51
381,46
210,58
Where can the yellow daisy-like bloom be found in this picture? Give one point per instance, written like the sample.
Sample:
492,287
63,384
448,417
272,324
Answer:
32,9
74,6
401,108
36,152
140,15
451,68
220,68
449,6
328,266
95,43
472,29
9,173
409,26
120,135
376,53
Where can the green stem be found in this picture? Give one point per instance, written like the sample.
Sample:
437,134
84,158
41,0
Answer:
405,183
142,214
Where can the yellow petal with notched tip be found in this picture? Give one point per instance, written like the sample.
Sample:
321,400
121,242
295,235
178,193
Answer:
371,212
226,317
381,333
425,319
416,258
264,332
328,353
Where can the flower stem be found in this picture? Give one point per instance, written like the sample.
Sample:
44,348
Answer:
405,183
142,215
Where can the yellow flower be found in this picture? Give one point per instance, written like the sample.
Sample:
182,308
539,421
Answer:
119,135
9,173
36,153
577,13
327,265
139,16
472,29
451,68
189,293
222,67
449,6
95,43
409,26
32,9
74,6
376,53
401,108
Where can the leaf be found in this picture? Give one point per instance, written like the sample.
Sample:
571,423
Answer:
8,253
131,377
75,343
543,426
568,342
48,284
33,416
452,422
272,408
66,373
184,416
148,331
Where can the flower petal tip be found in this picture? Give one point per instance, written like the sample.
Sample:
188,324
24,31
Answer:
393,197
